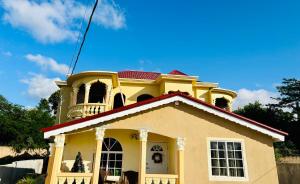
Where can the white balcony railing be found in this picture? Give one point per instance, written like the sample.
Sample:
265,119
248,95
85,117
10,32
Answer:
161,179
83,110
74,178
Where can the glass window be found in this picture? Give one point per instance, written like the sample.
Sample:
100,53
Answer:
111,157
227,159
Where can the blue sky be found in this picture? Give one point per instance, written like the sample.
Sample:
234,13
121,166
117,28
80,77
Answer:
247,46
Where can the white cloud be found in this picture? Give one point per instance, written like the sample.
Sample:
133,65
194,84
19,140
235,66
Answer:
246,96
58,20
48,63
40,86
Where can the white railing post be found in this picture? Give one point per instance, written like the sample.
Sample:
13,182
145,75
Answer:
99,139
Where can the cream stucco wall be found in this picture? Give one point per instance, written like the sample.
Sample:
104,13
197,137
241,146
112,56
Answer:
196,126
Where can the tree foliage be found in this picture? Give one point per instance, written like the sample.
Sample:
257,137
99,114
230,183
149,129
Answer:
54,100
20,127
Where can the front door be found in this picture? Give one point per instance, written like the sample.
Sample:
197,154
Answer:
157,158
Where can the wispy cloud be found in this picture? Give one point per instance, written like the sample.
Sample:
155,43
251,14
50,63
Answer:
40,86
246,96
48,63
57,20
7,53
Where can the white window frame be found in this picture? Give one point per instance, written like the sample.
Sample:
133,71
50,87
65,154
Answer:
227,178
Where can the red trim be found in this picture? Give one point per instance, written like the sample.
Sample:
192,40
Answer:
81,120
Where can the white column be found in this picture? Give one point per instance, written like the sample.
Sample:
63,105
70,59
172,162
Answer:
180,162
87,93
74,96
99,132
143,152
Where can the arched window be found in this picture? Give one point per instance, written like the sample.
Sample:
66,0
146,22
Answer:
222,103
111,157
143,97
118,101
80,94
97,92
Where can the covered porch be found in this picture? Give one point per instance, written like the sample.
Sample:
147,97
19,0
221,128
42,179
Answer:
108,154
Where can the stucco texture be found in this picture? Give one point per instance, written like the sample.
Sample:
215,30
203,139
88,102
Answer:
196,127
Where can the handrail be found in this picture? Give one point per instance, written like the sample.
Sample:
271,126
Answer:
170,176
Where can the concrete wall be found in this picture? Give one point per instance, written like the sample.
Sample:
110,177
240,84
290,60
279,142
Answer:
288,169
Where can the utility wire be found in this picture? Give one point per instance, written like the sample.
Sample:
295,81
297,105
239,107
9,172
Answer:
78,37
84,36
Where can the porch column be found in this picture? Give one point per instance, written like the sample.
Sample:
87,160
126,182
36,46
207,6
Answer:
99,139
50,163
180,162
74,96
87,93
59,142
143,151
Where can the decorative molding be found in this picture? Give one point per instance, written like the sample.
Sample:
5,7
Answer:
59,141
100,131
180,143
51,145
143,135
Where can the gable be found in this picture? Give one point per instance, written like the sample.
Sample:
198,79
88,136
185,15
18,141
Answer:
158,102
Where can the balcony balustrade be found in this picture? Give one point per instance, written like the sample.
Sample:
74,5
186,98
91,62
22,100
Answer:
83,110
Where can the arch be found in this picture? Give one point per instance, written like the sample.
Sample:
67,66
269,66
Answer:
80,94
111,157
143,97
118,101
97,92
222,103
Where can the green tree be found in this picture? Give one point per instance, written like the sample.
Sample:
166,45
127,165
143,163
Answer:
54,100
20,127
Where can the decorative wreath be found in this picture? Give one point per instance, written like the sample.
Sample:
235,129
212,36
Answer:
157,158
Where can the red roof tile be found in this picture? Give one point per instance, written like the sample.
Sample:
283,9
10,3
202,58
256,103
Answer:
177,72
138,75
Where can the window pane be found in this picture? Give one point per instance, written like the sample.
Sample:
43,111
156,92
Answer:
238,154
231,163
232,172
223,172
230,154
119,157
214,154
221,154
239,163
223,163
111,164
240,172
118,164
215,171
213,145
103,156
237,146
118,172
230,146
214,163
221,145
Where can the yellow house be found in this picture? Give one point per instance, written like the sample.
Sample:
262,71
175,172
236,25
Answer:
162,128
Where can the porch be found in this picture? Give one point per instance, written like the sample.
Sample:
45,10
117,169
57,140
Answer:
156,159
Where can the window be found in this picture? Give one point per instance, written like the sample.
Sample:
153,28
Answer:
111,157
80,94
143,97
222,103
97,92
227,159
118,100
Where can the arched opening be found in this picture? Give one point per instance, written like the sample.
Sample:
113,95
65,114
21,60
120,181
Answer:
118,101
144,97
80,94
111,157
222,103
97,92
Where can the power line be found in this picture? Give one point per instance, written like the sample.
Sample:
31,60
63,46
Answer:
84,36
78,37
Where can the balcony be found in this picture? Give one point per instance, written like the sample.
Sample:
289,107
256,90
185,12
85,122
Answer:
84,110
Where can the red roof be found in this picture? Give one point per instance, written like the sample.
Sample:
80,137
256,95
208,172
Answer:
138,75
177,72
82,120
